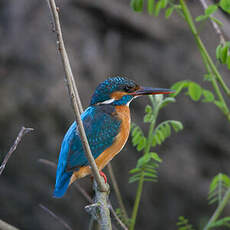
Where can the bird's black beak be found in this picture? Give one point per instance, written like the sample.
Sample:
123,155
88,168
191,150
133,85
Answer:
151,91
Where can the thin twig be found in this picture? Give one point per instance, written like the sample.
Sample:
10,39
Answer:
82,191
214,24
23,131
117,190
75,99
117,218
6,226
79,187
55,217
47,162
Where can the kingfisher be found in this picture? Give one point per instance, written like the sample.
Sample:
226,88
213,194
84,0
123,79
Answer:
107,125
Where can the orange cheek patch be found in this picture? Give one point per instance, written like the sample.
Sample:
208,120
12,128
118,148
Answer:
118,95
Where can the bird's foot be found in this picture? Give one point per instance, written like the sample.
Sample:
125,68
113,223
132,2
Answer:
104,176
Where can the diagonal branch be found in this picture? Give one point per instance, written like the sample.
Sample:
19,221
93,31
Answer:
55,216
84,193
73,93
214,24
23,131
101,189
6,226
117,190
117,217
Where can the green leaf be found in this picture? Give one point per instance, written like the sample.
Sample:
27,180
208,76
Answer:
134,179
194,91
148,117
166,101
135,130
159,138
150,179
221,223
224,54
151,4
177,125
169,11
158,141
220,183
217,21
210,10
158,8
219,104
218,51
148,109
228,62
136,170
136,139
155,157
164,3
147,174
150,170
137,5
154,142
225,5
160,134
141,144
201,18
219,177
183,224
167,129
208,96
143,160
178,86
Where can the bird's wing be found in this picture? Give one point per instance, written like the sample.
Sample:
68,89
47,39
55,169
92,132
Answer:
101,129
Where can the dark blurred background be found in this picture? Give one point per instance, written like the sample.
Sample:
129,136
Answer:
103,38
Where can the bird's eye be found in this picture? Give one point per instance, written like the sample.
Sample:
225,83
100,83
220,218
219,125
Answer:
128,89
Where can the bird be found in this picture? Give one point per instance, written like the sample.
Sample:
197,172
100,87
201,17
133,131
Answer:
107,125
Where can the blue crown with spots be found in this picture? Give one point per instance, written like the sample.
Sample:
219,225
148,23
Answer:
104,89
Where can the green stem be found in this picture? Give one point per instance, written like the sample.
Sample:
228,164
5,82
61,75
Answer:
219,210
201,46
210,66
216,88
141,181
137,202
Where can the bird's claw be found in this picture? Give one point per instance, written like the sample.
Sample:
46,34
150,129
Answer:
104,176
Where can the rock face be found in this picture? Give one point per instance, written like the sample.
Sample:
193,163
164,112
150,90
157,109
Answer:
103,38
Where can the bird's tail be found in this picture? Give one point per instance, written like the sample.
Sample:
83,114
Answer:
62,182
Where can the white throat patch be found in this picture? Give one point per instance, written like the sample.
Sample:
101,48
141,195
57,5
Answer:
109,101
127,104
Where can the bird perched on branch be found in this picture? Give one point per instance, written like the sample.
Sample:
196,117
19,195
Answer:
107,125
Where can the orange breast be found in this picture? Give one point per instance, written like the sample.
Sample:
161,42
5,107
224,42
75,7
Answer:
123,113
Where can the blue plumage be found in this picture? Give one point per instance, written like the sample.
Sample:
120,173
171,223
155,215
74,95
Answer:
104,90
102,122
101,128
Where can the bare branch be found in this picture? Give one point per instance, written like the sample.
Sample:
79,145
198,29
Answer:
116,217
23,131
101,189
116,189
55,217
83,192
47,162
75,99
79,188
214,24
6,226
